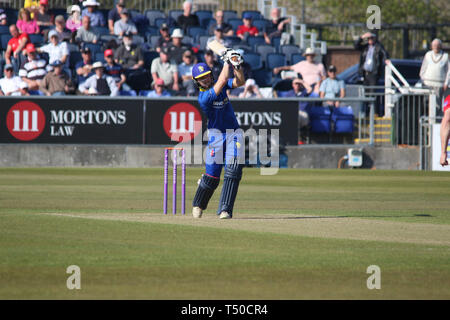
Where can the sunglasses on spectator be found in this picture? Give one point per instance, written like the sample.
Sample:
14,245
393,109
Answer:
297,83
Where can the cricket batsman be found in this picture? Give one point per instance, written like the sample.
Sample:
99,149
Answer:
223,149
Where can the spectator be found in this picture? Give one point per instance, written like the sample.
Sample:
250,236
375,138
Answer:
56,50
372,59
435,70
218,36
177,47
187,19
10,83
185,72
128,54
332,88
159,90
85,34
313,73
124,24
25,24
57,82
90,10
42,16
34,69
60,27
74,21
83,68
164,69
3,17
164,39
115,70
102,83
23,89
299,89
226,28
247,29
212,63
13,53
114,15
251,90
277,25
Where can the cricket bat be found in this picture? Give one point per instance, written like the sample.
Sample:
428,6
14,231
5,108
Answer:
217,47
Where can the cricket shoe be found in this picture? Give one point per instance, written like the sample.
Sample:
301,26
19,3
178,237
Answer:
224,215
197,212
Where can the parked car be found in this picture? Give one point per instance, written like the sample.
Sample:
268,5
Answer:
409,69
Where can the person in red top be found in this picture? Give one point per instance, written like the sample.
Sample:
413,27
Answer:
16,45
247,29
445,131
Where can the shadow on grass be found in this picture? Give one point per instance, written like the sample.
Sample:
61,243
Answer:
331,217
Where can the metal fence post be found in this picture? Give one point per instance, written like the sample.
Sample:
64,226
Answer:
372,123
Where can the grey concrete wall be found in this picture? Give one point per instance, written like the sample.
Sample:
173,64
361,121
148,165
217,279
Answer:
309,156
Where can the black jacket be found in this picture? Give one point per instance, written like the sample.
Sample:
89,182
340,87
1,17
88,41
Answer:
380,55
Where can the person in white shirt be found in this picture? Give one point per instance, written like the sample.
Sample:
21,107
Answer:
56,50
103,84
435,70
11,85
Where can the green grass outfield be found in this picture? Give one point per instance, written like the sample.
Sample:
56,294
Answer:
300,234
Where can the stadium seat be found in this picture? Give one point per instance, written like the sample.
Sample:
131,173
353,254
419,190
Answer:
152,15
36,39
174,14
244,47
144,93
151,30
105,14
255,14
109,37
11,15
72,47
129,93
263,77
196,31
264,50
190,40
99,56
235,23
229,14
4,29
254,60
254,41
233,40
276,43
153,41
296,58
320,119
36,93
4,38
100,30
202,40
59,11
288,50
275,60
203,16
207,23
148,58
343,118
261,24
74,57
159,22
138,40
94,47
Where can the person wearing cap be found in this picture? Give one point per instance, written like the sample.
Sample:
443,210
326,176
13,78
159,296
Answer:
164,39
128,54
56,50
187,19
34,69
57,82
85,34
332,88
124,24
185,72
60,27
251,90
177,47
313,73
372,59
247,29
159,90
96,17
17,43
10,83
3,17
227,29
73,23
225,139
114,15
219,37
212,63
163,68
104,84
83,68
276,26
115,71
42,16
25,24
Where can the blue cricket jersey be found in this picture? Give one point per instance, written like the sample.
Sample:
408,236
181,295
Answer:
218,109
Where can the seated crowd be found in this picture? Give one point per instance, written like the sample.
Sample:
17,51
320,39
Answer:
91,52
